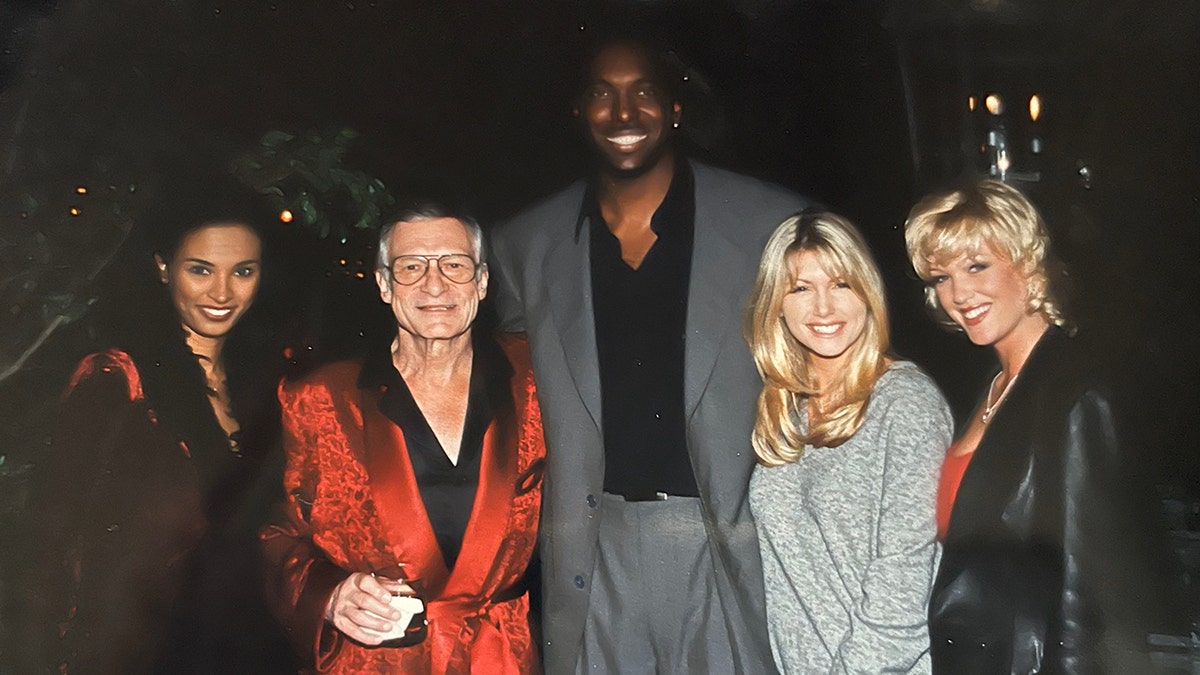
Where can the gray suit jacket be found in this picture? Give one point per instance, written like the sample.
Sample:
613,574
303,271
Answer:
541,274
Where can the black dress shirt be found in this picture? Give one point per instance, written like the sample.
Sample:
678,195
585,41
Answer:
447,489
640,317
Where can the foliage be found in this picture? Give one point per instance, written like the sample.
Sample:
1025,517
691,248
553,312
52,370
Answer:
305,176
54,241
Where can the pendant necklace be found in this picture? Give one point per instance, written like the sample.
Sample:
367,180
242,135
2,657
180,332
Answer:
990,406
213,386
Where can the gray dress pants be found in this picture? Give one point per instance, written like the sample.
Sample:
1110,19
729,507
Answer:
653,605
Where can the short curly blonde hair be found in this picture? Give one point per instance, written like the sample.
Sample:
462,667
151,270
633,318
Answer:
983,214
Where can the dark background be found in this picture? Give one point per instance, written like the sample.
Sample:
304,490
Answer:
860,104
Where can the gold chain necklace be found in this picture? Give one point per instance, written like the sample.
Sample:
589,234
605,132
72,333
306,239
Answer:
989,406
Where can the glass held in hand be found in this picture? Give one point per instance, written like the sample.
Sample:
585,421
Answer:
406,589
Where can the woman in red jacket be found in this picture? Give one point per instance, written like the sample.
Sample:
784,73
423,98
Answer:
144,511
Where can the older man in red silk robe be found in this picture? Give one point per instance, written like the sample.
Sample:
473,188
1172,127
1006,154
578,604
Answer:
429,457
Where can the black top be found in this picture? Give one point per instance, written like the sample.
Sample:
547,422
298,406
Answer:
640,318
1054,561
447,489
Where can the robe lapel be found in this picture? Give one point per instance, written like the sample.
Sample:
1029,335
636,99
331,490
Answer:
491,512
397,499
571,302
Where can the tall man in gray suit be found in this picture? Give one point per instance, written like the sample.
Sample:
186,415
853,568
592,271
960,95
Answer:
631,287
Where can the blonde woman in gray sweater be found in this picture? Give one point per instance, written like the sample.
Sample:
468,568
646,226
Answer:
849,443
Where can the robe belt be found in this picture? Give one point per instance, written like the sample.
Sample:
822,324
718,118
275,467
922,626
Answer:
480,645
511,593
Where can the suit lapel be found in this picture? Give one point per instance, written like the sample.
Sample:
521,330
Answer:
714,299
714,302
571,302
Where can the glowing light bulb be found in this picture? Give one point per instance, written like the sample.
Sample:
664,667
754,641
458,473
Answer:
285,216
74,211
994,104
971,103
81,190
1035,107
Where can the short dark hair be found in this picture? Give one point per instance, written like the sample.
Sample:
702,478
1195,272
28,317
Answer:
666,67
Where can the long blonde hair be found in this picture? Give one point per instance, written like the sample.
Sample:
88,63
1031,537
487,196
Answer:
782,427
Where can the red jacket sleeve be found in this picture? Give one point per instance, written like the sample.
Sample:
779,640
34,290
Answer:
300,577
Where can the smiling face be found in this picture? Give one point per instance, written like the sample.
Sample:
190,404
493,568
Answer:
433,308
986,294
213,277
823,313
627,112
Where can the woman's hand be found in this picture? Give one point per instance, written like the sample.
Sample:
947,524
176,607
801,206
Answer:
360,609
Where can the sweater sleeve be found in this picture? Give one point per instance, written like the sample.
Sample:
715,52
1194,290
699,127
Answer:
888,626
300,577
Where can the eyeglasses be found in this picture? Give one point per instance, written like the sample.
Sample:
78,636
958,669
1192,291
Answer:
407,270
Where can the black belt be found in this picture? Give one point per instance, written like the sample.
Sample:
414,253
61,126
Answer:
511,593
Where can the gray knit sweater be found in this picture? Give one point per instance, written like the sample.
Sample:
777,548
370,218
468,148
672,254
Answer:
848,537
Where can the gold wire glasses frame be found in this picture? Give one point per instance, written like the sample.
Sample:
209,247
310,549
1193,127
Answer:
407,270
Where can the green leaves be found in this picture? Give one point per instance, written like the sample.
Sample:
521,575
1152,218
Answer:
306,175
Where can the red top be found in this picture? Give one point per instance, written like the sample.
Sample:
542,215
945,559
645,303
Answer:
953,468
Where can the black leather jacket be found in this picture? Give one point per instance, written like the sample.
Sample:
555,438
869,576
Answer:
1052,559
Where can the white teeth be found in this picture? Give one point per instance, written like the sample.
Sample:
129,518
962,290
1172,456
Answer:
973,313
217,313
825,330
628,139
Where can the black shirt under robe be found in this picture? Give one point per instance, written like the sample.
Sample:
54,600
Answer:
447,489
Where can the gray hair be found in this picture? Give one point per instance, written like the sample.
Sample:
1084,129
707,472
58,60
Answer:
428,211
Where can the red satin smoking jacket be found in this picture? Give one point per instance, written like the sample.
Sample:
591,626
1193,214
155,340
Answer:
354,506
